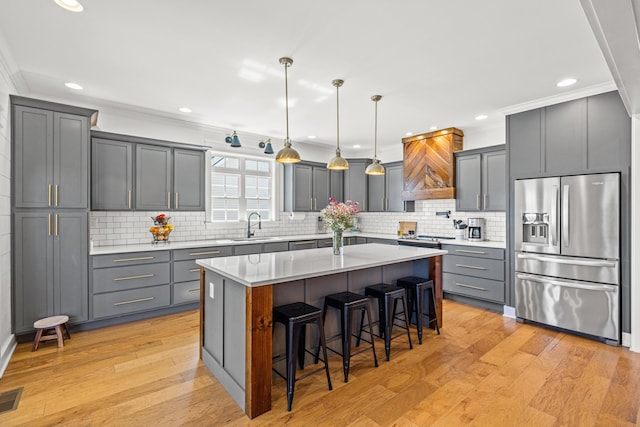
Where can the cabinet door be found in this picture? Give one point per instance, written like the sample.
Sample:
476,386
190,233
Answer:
355,184
71,161
375,189
608,132
153,177
468,183
566,137
302,187
70,271
188,181
394,176
33,157
494,181
111,175
525,143
321,187
337,185
32,269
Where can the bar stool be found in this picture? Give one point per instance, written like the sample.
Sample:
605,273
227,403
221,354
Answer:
295,317
347,303
414,288
386,295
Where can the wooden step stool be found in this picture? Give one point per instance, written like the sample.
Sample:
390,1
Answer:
51,328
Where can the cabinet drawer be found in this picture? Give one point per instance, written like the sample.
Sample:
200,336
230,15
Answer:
186,292
184,271
491,290
195,253
475,251
129,258
123,302
303,244
325,243
133,276
470,266
247,249
275,247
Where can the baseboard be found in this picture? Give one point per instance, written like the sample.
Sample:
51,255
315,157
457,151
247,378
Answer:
6,356
509,312
626,339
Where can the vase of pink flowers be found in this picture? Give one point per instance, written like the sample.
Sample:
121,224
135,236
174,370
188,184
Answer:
338,217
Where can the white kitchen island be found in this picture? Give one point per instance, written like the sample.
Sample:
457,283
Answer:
238,294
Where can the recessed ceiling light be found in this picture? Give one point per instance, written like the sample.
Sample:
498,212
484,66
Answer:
481,117
356,146
566,82
409,134
433,128
311,137
71,5
185,109
74,86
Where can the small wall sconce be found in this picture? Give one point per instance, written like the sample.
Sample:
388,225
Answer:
233,140
268,149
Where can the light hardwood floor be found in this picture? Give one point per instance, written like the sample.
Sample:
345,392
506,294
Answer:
483,370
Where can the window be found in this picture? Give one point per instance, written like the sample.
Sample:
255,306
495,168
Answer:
240,185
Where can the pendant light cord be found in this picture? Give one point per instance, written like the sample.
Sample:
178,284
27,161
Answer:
286,97
375,137
338,117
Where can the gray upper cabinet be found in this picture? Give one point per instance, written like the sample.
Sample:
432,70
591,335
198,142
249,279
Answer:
394,185
337,185
355,182
112,175
376,200
188,180
566,136
608,132
524,133
306,187
153,177
481,179
51,158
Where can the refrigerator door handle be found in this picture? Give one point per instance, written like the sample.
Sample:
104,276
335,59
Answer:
554,216
557,282
586,263
565,215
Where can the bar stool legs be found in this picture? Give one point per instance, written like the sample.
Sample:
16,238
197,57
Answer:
415,288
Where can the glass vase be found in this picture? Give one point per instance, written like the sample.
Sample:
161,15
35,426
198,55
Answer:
338,242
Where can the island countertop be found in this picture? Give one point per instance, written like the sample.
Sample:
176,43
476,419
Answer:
278,267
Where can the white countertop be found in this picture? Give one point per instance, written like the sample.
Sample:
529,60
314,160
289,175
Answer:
277,267
105,250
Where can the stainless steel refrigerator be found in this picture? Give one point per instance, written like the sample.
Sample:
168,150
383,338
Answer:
567,253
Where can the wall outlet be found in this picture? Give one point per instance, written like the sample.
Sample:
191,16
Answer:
211,290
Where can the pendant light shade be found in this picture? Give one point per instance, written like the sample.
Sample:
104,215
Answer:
287,154
233,140
338,162
268,149
375,168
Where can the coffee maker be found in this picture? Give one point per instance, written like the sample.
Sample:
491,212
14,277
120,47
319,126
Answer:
476,229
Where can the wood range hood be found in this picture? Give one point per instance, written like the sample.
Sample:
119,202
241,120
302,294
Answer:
429,164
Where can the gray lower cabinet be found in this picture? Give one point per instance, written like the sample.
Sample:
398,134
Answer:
354,240
112,175
474,272
481,179
50,267
382,241
186,273
302,244
324,243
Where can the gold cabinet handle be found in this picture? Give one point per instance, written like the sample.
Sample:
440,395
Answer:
49,195
142,258
142,276
477,201
129,198
193,270
204,253
134,301
49,224
56,194
176,203
485,201
169,200
470,266
194,290
303,243
466,251
471,287
57,224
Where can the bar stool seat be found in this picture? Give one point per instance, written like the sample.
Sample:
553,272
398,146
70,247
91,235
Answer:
415,287
51,328
348,303
295,317
388,296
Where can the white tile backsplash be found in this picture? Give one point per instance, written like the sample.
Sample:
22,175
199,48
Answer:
116,228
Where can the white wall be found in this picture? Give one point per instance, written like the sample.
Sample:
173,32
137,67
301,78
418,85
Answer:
7,340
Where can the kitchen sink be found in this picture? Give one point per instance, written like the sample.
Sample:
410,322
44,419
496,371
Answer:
254,239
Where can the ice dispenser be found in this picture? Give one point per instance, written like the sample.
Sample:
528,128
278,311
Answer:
535,228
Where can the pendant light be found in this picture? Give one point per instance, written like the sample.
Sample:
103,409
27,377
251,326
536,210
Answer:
287,154
338,162
375,168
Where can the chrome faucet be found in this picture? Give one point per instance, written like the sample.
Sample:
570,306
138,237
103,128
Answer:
249,233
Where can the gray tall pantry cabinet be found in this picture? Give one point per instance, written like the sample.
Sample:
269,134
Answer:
50,182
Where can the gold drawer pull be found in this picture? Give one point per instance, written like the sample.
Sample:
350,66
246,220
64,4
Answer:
134,301
194,290
470,266
466,251
471,287
142,258
304,243
193,270
142,276
204,253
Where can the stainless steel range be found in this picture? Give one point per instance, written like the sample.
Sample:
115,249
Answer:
567,250
425,241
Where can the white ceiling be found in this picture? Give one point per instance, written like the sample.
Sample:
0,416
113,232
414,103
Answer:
434,62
